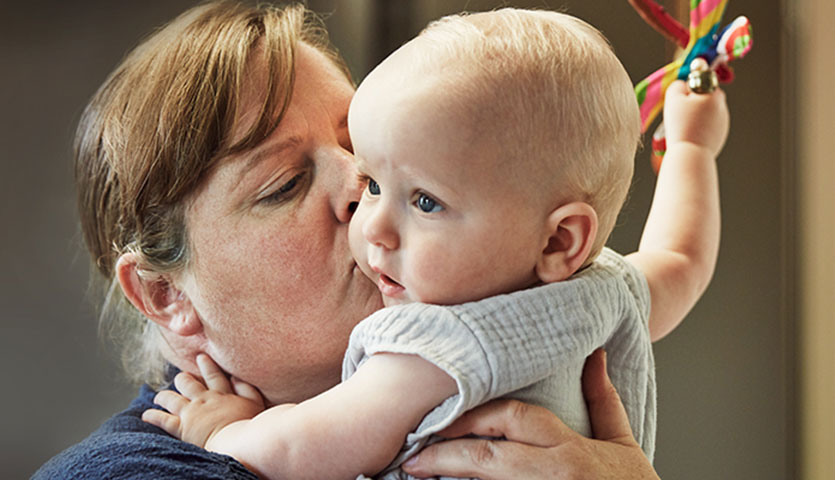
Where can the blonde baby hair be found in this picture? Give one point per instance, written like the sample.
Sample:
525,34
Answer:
549,90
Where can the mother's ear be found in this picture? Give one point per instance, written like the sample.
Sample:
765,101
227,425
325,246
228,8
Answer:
156,297
570,231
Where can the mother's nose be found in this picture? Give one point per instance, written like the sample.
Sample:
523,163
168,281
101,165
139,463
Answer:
346,188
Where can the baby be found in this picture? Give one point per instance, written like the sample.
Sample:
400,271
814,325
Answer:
496,151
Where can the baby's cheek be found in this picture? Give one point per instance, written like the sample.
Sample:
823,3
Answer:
439,279
356,242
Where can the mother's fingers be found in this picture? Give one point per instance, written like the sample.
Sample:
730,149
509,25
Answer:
459,458
488,460
606,411
513,420
212,374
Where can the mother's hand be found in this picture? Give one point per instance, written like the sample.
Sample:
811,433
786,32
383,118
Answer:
538,444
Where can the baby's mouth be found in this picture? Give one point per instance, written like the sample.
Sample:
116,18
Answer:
389,287
389,281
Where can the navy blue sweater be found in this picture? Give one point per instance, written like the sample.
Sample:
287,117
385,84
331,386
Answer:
125,447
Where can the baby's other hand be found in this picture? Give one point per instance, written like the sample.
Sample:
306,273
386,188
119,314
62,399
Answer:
201,410
700,119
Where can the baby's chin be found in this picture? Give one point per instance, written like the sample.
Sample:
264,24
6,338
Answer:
391,301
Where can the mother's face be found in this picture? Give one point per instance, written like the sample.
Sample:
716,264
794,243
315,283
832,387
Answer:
271,277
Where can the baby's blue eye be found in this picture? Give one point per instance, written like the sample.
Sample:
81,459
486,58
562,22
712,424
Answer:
373,187
428,204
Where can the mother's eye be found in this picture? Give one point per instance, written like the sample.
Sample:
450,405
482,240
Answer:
285,191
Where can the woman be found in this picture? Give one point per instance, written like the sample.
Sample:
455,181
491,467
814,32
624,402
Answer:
215,185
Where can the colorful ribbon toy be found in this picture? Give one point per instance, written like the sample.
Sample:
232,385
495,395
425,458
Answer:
704,41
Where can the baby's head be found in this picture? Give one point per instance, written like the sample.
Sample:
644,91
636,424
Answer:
500,149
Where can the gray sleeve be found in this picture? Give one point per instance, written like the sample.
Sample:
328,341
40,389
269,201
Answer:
436,334
630,362
633,278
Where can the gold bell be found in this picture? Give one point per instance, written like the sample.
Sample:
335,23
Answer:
701,78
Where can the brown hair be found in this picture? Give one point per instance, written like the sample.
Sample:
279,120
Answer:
157,125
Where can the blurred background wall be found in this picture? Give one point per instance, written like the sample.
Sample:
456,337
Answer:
810,121
728,382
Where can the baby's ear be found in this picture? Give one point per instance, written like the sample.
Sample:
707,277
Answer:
156,297
570,231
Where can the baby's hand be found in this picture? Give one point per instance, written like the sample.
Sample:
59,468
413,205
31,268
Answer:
699,119
198,413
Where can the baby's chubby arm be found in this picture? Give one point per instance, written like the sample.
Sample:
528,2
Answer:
356,427
680,242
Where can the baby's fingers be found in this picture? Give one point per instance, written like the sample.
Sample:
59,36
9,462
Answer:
188,386
678,88
171,401
247,391
212,374
166,421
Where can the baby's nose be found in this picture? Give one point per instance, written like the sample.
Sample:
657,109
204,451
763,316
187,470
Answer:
379,230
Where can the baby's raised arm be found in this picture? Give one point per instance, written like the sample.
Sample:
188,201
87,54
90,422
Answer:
680,243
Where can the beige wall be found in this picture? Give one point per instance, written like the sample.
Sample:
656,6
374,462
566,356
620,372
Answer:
813,43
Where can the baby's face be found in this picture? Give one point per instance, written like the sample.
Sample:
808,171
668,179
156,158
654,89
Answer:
439,220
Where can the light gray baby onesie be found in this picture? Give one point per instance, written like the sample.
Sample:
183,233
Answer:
530,345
